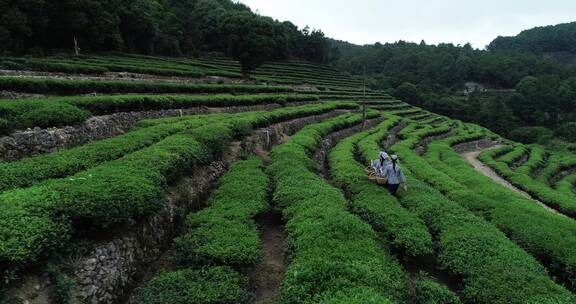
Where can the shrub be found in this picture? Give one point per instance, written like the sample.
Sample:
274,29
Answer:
111,104
219,243
329,248
468,246
356,296
567,131
53,115
4,126
494,269
30,171
76,87
209,285
37,220
542,191
428,291
63,111
530,135
23,231
513,154
225,232
62,285
375,205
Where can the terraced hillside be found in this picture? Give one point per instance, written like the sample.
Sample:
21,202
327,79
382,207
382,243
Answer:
547,176
135,179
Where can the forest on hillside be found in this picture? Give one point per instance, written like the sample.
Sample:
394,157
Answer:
540,40
194,151
528,97
155,27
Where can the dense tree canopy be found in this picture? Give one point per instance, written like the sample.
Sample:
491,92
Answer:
532,91
540,40
162,27
445,66
522,89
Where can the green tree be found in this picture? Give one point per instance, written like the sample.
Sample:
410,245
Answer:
249,40
164,27
408,92
140,25
22,23
315,46
567,131
94,23
530,135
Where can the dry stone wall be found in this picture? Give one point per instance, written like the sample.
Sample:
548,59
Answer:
40,141
115,266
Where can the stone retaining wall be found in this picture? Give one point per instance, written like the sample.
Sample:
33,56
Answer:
40,141
321,154
113,268
474,145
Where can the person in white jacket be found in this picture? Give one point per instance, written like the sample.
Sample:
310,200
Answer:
379,165
395,176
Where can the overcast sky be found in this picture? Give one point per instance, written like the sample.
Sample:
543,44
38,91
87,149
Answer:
456,21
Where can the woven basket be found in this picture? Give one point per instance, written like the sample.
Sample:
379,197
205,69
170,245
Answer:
379,180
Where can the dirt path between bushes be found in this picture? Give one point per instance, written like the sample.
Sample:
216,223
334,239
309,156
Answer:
472,158
267,276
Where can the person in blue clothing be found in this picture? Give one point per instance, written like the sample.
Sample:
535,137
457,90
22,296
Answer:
380,164
393,172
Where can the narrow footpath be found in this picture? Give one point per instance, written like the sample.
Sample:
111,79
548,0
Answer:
266,277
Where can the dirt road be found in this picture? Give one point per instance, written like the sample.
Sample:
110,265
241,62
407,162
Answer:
472,158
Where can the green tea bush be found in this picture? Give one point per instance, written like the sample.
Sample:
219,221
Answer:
219,243
567,185
30,171
152,70
543,234
111,104
76,87
26,235
428,291
208,285
51,115
542,191
330,250
356,296
538,158
374,204
514,155
115,192
558,162
37,220
62,111
494,270
225,232
47,66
